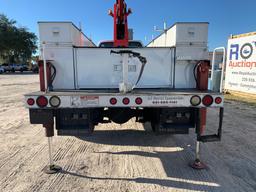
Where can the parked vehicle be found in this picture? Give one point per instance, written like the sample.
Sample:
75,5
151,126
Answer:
84,85
24,67
15,67
35,68
110,44
6,67
2,70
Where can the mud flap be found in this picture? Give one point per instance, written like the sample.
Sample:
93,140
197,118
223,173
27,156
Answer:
40,116
173,121
74,122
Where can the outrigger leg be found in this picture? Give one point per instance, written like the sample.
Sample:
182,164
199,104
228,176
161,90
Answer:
200,126
197,164
200,123
51,168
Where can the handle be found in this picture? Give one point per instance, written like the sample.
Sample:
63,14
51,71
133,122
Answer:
223,68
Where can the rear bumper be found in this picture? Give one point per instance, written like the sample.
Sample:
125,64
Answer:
153,99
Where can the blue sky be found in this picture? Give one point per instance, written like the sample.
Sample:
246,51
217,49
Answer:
225,16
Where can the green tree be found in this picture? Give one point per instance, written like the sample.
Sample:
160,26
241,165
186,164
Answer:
16,43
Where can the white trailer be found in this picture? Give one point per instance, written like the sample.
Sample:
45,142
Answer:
163,84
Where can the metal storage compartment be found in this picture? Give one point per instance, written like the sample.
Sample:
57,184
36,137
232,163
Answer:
183,34
59,39
84,69
97,68
191,42
62,33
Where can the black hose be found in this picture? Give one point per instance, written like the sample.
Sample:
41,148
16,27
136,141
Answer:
142,59
53,75
194,71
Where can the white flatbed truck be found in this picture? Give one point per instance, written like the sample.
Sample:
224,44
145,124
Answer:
88,85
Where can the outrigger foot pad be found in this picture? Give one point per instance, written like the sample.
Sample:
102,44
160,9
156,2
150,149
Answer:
198,165
52,169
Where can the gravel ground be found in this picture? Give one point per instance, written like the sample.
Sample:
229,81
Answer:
122,158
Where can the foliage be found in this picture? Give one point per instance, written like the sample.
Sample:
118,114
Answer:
16,43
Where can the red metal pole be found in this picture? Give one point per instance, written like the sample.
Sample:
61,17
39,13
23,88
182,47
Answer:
202,85
120,15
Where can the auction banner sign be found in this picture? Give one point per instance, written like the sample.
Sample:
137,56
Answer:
241,64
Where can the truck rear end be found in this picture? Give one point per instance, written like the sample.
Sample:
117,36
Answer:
88,85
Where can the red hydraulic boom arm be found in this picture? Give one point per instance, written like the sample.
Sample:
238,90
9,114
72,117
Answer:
120,15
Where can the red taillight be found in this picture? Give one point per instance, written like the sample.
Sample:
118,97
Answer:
126,101
138,101
218,100
113,101
42,101
30,101
207,100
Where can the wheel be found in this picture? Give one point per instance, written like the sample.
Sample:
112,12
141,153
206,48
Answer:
155,127
147,127
155,120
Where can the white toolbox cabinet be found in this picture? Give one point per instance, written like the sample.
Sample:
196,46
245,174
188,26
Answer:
191,42
62,33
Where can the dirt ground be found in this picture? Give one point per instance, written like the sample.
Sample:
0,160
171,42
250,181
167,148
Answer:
122,158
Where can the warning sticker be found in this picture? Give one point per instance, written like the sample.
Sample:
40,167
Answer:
84,101
89,100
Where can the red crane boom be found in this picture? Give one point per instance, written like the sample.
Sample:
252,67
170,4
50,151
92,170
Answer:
120,15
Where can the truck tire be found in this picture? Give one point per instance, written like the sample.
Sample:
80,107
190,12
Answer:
155,121
155,127
147,127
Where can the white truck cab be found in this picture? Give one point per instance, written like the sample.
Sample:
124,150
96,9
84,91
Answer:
110,44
